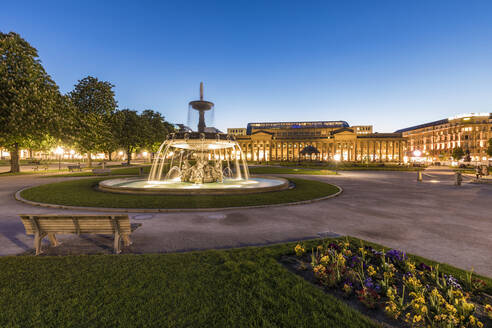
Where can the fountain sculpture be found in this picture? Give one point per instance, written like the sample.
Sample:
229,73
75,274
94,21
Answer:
197,162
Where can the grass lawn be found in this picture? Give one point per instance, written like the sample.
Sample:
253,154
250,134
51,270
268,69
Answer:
133,170
244,287
82,193
344,166
287,170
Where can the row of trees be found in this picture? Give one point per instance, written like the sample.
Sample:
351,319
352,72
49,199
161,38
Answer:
34,114
458,152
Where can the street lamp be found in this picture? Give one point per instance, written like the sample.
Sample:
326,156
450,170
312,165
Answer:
59,152
336,157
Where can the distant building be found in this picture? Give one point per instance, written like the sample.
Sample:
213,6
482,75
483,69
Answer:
334,140
237,131
436,140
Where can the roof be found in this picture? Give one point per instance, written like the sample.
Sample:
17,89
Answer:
342,130
421,126
380,135
295,125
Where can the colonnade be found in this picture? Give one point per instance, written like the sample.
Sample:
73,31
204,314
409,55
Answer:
361,150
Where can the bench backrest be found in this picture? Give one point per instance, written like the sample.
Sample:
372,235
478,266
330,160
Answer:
64,224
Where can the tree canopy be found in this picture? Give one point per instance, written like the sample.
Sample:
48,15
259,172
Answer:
489,148
128,130
94,105
457,153
156,129
31,106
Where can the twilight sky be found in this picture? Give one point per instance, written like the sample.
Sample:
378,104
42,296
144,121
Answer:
391,64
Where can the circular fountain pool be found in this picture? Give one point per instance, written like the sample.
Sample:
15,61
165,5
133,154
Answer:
177,187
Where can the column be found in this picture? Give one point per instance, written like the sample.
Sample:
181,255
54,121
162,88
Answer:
393,150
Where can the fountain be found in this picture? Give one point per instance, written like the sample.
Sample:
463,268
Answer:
197,162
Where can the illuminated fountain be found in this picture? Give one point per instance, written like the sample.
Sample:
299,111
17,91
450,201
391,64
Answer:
197,162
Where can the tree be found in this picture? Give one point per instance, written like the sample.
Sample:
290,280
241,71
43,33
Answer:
489,148
128,131
457,153
309,150
30,103
155,130
94,105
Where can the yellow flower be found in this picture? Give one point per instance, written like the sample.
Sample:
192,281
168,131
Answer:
299,250
472,319
325,259
417,318
371,271
479,324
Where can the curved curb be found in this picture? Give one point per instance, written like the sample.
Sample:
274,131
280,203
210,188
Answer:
169,210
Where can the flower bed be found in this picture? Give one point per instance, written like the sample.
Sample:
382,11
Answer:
389,282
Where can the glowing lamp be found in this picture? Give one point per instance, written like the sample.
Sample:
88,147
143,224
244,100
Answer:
59,150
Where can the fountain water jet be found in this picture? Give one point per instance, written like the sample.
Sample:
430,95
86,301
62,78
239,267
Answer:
197,162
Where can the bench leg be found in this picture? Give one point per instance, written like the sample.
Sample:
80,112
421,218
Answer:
37,242
53,240
126,240
117,242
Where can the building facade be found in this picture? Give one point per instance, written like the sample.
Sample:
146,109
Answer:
436,140
333,140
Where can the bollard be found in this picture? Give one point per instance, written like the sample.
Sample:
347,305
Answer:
419,176
458,178
140,171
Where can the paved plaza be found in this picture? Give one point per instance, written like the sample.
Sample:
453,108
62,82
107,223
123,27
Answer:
433,219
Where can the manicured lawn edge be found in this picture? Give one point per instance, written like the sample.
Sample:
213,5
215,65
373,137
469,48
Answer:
241,287
80,195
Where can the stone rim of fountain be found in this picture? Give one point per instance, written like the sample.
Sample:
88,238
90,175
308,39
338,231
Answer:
106,187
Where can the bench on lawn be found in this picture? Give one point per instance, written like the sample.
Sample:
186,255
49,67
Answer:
125,164
101,171
49,225
36,168
72,168
35,161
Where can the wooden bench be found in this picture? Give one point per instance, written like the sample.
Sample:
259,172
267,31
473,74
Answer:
49,225
72,168
101,171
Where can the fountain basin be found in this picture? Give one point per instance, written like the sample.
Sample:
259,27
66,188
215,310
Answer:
176,187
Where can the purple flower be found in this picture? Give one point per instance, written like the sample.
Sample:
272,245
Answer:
369,283
423,267
453,282
396,255
334,246
354,260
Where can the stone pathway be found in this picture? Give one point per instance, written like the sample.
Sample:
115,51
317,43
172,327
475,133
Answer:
432,218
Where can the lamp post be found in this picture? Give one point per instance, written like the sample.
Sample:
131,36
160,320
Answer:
417,153
336,157
59,152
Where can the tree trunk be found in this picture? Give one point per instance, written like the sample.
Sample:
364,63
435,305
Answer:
89,159
109,156
14,159
128,155
30,153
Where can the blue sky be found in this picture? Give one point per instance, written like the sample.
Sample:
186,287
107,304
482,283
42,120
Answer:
391,64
